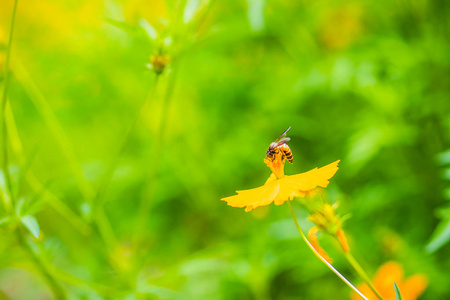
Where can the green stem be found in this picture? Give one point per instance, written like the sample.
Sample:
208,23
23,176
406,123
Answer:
354,263
99,213
320,256
57,290
7,202
56,129
146,201
37,187
86,189
105,229
107,291
106,178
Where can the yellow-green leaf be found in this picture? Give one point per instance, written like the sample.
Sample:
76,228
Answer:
31,224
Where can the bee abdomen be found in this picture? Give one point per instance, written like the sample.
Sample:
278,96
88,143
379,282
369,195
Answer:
289,156
287,153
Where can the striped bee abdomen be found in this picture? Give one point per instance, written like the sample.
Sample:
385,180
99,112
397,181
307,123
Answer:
287,153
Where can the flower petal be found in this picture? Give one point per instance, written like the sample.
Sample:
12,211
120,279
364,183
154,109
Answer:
384,279
316,177
271,178
387,274
414,286
283,189
260,196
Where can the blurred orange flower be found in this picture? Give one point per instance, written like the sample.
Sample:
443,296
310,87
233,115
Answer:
280,188
390,272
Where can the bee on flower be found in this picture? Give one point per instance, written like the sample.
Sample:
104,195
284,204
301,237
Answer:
280,187
280,145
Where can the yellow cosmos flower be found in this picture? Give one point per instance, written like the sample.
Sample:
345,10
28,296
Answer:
280,188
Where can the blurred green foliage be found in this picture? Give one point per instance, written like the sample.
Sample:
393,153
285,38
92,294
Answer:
362,81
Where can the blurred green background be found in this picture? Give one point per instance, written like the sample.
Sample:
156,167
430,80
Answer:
366,82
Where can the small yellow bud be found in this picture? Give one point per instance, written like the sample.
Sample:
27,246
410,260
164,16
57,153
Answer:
159,62
326,219
342,240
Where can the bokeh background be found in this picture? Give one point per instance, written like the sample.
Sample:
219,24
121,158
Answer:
107,205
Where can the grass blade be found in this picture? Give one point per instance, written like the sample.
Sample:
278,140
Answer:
397,292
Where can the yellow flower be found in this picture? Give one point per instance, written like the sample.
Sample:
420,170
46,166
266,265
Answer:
390,272
326,219
280,188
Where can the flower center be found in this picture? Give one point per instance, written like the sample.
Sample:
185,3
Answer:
276,164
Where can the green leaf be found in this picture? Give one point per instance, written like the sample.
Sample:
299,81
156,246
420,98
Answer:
31,224
444,158
256,11
190,10
4,220
446,173
149,29
20,205
397,292
440,237
121,25
161,292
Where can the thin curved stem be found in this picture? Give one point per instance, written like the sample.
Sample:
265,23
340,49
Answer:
9,203
97,202
320,256
354,263
146,201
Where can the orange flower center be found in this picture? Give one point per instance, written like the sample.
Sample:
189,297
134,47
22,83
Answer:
276,164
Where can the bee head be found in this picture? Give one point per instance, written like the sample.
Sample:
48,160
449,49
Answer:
271,147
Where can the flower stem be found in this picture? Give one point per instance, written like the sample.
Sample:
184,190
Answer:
57,290
7,202
101,222
146,201
36,186
97,201
354,263
100,218
106,178
320,256
53,124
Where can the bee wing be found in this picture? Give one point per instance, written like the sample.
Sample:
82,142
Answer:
283,141
282,136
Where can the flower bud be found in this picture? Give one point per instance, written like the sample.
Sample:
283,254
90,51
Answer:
159,62
312,237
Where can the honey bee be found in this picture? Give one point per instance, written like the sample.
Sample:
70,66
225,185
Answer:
280,146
